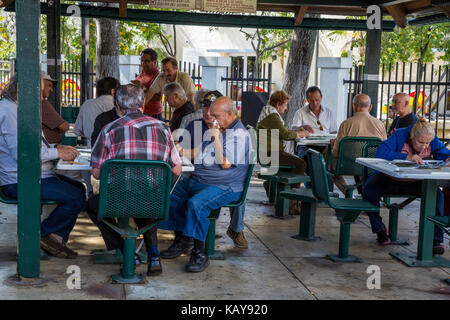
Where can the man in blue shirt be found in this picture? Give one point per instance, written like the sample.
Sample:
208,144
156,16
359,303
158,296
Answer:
221,163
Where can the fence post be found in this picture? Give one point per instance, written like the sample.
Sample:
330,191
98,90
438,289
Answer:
12,66
54,51
372,68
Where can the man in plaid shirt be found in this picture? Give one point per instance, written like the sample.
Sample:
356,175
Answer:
132,136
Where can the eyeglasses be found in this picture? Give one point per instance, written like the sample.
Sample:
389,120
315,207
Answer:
320,128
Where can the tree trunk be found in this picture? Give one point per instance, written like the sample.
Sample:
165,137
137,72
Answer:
297,70
107,47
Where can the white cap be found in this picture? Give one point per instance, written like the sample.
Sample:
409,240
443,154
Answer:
46,76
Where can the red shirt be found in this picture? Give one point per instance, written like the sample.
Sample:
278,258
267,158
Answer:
154,105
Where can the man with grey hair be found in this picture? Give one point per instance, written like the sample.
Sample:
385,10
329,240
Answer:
198,105
221,167
132,136
362,124
405,117
177,99
70,194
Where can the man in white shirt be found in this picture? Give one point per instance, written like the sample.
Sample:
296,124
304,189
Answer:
314,117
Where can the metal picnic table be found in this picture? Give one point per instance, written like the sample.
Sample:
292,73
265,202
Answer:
431,179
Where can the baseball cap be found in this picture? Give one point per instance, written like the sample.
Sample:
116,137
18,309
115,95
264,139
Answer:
210,97
46,76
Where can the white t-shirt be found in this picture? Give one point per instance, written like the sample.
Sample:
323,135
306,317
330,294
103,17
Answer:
305,116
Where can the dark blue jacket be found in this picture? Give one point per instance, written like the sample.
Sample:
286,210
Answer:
390,149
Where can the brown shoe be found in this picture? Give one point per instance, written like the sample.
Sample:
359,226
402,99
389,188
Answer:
238,238
56,249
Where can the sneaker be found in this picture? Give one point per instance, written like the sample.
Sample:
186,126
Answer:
383,238
238,238
198,261
154,266
438,248
180,246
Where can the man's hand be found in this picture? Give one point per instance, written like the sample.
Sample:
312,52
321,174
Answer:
302,133
415,158
308,128
179,148
215,132
67,153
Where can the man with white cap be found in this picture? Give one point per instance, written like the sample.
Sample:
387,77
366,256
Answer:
53,124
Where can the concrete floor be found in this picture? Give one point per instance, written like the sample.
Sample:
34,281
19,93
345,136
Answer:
275,266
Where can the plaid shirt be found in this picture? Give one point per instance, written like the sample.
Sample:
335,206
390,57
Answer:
135,136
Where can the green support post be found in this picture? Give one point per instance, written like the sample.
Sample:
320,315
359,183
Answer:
344,243
424,256
307,222
393,228
210,242
54,51
281,204
28,47
372,67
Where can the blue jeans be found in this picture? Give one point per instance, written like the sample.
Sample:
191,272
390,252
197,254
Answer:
191,203
379,184
71,196
237,218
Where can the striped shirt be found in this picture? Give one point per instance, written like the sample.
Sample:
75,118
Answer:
135,136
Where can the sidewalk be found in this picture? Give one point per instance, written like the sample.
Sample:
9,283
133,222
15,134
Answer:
275,266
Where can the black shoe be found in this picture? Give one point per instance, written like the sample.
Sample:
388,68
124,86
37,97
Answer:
154,266
178,247
438,248
198,262
266,185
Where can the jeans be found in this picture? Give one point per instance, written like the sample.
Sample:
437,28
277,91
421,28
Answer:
191,203
237,218
379,184
71,197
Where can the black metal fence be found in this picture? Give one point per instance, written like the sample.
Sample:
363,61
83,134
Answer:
240,80
5,73
71,83
428,88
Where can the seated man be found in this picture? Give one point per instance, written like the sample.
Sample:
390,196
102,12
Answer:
401,109
236,229
362,124
53,125
132,136
177,99
315,118
221,167
70,194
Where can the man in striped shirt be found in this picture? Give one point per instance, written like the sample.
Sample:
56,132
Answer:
132,136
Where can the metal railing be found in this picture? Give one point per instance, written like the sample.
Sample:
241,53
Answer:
71,83
428,88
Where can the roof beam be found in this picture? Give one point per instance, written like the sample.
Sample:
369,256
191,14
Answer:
299,15
398,13
433,19
444,6
123,8
218,20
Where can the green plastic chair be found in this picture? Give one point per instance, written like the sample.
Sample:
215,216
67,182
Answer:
350,148
133,189
369,151
347,210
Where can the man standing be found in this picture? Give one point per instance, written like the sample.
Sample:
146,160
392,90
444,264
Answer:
53,124
171,74
177,99
221,166
150,71
132,136
405,117
362,124
91,108
69,194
